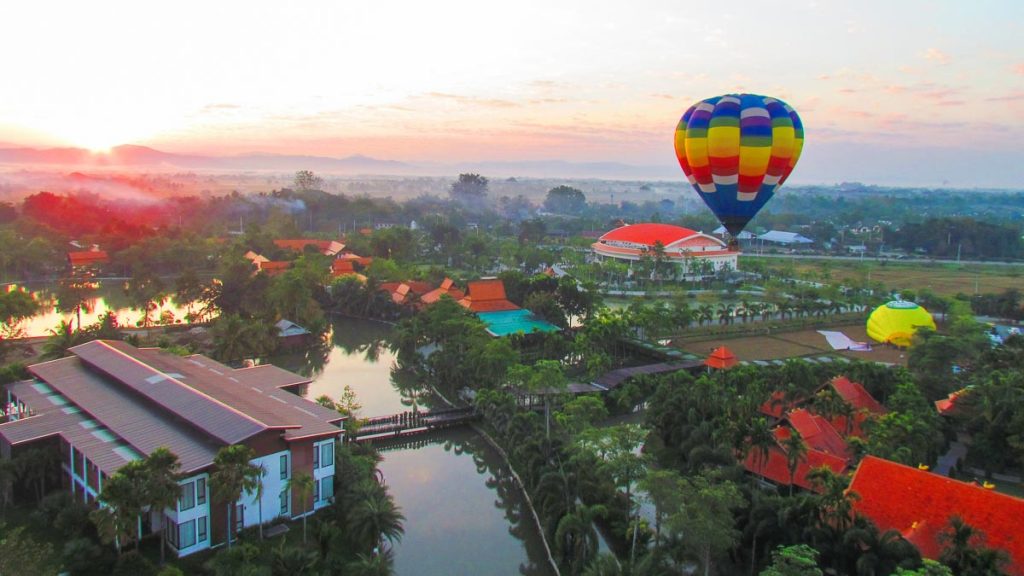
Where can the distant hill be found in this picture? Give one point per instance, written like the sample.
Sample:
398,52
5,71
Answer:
132,156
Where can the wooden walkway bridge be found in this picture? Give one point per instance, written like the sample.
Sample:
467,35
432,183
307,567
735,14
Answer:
409,423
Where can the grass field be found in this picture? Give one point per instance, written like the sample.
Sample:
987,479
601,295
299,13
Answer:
793,344
944,279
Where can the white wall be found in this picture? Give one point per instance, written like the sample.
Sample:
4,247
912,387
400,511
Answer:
273,485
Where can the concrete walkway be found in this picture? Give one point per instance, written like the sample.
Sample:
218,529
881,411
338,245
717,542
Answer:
957,451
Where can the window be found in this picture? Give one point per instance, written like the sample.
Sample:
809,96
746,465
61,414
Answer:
188,496
316,492
239,517
327,487
187,534
327,454
172,534
201,523
284,502
201,491
284,466
316,456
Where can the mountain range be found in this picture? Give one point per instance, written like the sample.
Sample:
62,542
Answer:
143,157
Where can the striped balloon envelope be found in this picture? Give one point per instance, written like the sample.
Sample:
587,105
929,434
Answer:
737,150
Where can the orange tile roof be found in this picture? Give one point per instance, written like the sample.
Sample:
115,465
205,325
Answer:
487,296
919,504
273,268
856,395
722,358
948,406
776,468
340,266
447,287
328,247
818,433
88,257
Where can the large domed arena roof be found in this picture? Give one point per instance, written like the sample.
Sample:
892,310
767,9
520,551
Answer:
648,234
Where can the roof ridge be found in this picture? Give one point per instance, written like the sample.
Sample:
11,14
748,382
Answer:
179,383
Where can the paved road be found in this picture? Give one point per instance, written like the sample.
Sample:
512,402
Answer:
873,259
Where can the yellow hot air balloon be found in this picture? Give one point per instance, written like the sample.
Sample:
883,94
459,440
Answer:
896,322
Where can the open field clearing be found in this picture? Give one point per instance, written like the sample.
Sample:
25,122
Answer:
794,344
944,279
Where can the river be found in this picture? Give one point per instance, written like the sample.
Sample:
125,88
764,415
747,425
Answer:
463,513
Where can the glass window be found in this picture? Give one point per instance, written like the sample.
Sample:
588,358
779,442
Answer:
284,502
188,496
316,456
327,487
201,523
172,534
327,454
201,491
187,534
316,491
239,517
284,466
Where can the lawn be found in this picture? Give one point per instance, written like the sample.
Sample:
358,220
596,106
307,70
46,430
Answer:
794,344
944,279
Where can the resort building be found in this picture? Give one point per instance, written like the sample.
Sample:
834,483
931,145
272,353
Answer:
920,504
486,297
110,403
690,252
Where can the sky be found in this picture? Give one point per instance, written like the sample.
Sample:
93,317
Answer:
909,92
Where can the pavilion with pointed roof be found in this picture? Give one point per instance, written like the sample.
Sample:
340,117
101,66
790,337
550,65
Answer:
721,359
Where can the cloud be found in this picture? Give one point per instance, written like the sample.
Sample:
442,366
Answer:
1018,69
1015,96
938,56
473,100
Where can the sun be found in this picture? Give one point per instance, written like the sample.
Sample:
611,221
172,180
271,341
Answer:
100,132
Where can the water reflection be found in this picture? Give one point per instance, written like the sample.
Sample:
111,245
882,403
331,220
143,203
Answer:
108,297
458,524
354,353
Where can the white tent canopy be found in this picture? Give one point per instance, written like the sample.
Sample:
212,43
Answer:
780,237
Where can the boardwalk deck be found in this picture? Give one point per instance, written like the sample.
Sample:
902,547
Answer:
407,423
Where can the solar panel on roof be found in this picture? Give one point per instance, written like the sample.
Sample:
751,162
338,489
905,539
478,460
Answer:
89,424
71,410
57,400
127,453
104,435
42,388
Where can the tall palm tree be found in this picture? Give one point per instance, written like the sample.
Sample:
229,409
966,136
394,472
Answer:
576,540
259,495
375,518
761,440
301,483
233,474
161,475
123,498
796,452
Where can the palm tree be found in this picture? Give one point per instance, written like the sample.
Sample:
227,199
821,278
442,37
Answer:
705,313
259,495
122,502
835,507
234,473
576,539
161,487
796,452
292,561
376,517
877,552
381,564
762,440
302,484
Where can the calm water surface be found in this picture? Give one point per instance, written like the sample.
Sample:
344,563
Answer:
463,514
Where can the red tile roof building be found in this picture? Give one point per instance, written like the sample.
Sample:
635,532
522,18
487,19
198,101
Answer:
722,358
487,295
920,504
110,403
633,242
447,287
325,247
818,433
863,404
87,258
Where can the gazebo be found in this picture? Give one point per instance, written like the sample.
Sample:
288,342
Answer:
722,359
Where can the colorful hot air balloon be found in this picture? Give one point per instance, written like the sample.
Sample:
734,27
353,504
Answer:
736,150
